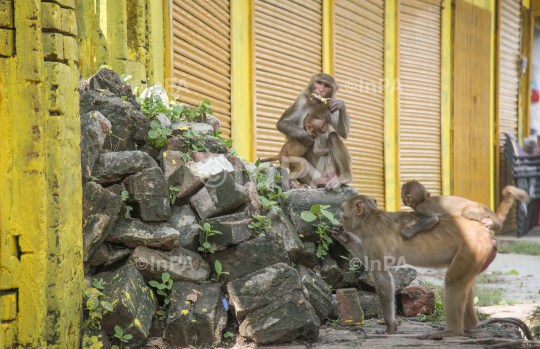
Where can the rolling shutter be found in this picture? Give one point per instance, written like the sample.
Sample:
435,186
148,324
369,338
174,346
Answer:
471,113
201,43
359,68
509,66
419,72
288,49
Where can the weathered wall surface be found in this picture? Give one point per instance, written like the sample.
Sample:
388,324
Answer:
123,35
41,276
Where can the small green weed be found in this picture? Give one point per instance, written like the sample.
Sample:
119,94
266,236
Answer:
219,270
125,196
319,212
124,338
261,224
206,247
163,289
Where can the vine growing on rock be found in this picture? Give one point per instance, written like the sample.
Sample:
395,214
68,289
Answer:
96,305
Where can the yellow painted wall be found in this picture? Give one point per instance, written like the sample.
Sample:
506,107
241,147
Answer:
41,273
126,36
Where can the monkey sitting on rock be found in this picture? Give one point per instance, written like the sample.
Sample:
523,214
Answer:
319,97
419,199
315,125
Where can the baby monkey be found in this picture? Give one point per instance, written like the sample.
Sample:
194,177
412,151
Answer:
419,199
315,124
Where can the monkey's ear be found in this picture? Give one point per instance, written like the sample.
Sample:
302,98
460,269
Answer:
309,128
408,200
428,194
375,201
359,208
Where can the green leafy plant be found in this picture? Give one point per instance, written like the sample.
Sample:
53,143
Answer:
227,335
206,247
319,212
219,270
96,306
158,135
163,289
333,323
173,192
261,224
267,188
124,338
125,196
99,284
437,316
93,179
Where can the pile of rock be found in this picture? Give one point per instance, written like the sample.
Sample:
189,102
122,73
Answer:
145,211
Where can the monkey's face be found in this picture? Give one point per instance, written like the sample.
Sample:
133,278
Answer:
355,209
323,88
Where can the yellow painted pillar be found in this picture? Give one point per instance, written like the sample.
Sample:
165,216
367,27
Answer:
391,127
41,271
446,108
243,78
328,48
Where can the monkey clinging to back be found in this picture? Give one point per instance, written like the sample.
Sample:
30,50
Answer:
315,125
418,198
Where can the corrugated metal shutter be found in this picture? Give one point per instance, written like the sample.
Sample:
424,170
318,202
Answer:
471,92
359,68
509,66
202,68
288,50
419,95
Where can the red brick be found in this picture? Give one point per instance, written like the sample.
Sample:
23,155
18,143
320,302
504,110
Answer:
415,298
349,309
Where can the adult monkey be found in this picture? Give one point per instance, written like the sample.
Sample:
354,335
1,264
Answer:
291,124
465,246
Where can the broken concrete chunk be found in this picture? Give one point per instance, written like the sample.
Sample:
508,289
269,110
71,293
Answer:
149,193
133,304
220,195
331,272
308,257
92,232
369,302
94,128
133,233
282,321
171,160
233,228
316,291
196,314
181,264
113,167
178,128
284,228
129,125
250,256
184,220
100,256
98,201
261,288
299,200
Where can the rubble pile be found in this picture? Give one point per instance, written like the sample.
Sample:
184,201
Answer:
176,230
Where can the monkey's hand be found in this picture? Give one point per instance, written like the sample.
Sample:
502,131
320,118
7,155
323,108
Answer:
306,138
335,104
408,233
338,232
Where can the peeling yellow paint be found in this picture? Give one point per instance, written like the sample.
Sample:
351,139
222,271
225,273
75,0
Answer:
184,312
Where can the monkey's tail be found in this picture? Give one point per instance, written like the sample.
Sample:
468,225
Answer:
273,158
510,193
